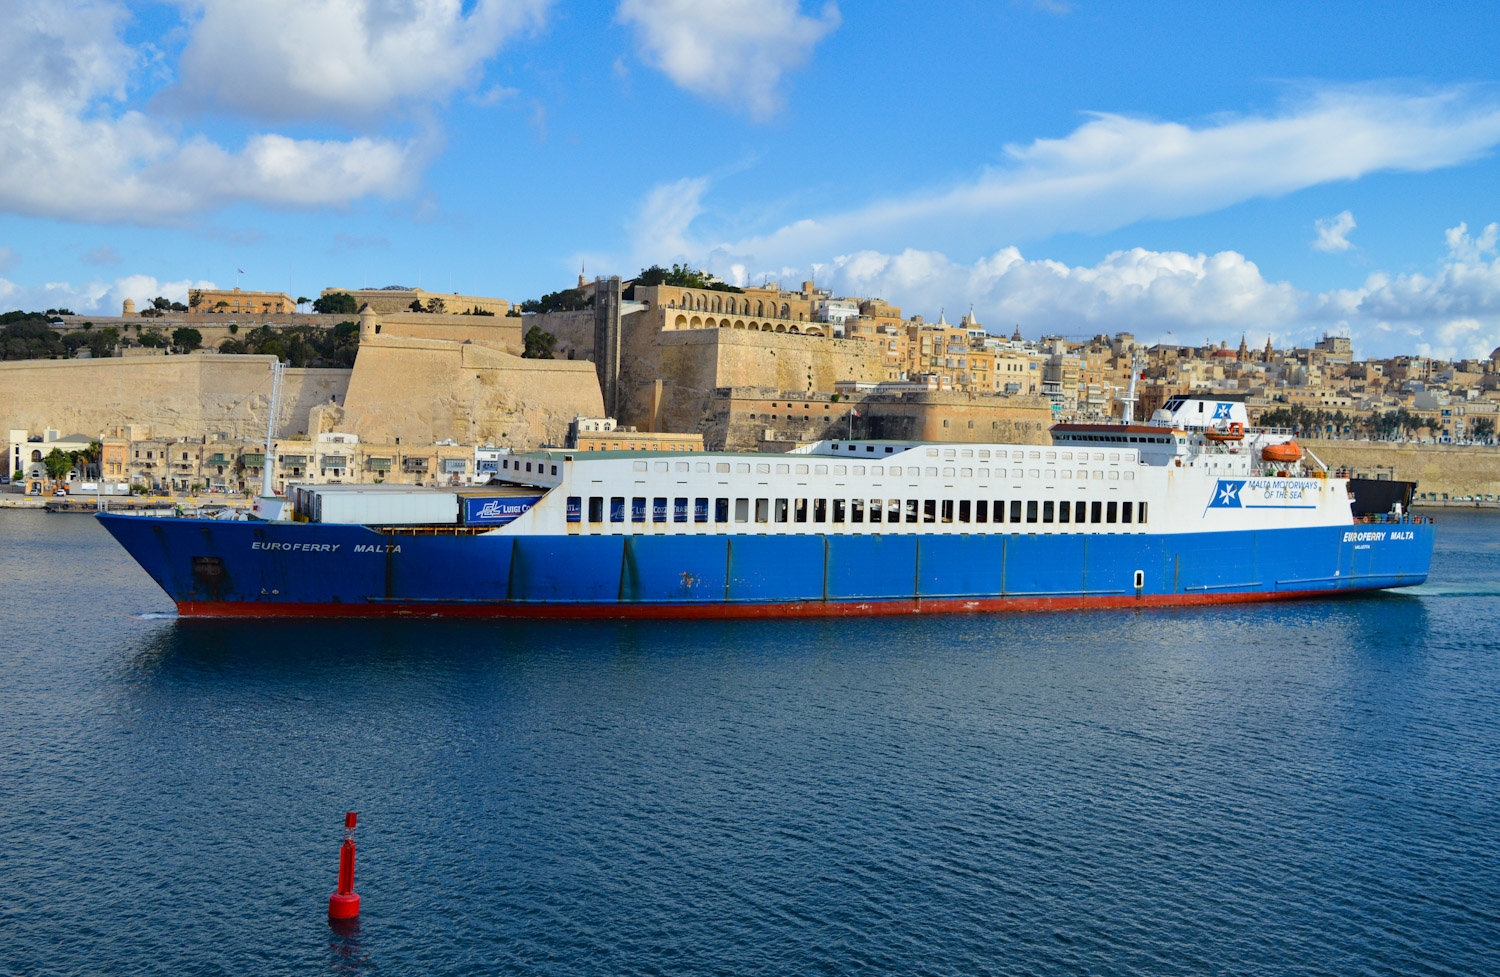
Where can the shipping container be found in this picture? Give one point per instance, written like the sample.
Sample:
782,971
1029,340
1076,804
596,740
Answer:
378,506
495,509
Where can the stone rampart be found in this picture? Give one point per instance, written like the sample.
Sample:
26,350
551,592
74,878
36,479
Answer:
425,390
1440,468
164,396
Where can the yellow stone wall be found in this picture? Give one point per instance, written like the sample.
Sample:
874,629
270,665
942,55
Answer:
164,396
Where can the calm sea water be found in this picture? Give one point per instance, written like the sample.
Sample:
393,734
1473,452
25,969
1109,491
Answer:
1310,788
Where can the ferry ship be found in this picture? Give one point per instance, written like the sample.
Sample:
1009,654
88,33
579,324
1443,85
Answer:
1192,507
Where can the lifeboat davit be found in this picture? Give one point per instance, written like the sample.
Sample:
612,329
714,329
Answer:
1234,432
1287,451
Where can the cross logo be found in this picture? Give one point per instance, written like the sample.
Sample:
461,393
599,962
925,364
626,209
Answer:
1221,412
1227,494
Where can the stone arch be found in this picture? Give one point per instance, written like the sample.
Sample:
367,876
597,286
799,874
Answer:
760,307
697,323
740,324
680,322
717,306
794,331
786,311
814,331
780,327
36,456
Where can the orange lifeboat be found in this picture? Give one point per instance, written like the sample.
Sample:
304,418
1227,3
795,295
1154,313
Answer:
1287,451
1234,432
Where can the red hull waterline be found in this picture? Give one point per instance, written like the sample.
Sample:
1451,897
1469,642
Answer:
929,605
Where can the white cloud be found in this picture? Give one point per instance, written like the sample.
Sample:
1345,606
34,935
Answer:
731,51
1333,232
104,254
1113,171
1157,295
1453,312
69,147
98,297
1170,296
316,59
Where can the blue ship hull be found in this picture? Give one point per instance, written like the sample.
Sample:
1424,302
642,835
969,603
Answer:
220,568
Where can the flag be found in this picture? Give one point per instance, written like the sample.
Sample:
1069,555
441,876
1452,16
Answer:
240,270
854,412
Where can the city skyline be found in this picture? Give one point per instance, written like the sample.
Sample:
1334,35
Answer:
1183,174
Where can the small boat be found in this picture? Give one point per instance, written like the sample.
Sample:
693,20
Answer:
1234,432
1286,451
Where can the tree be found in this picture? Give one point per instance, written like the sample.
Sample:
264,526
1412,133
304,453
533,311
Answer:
568,300
538,344
187,338
153,338
302,300
416,306
57,465
160,303
1482,428
435,305
683,277
335,303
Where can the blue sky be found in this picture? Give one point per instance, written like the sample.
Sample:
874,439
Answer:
1184,171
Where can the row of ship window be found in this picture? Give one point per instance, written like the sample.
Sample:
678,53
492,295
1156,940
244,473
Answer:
787,468
614,509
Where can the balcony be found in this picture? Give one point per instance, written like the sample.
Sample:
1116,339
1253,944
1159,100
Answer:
378,464
415,466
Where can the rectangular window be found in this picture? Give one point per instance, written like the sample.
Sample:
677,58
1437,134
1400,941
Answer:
911,510
721,510
679,510
857,510
838,510
1015,511
1080,511
596,508
1125,511
965,510
700,510
617,508
929,510
1047,508
659,509
575,508
638,509
1113,512
1141,513
820,510
1064,511
1096,512
741,510
877,510
799,510
762,510
982,510
892,510
783,511
1031,511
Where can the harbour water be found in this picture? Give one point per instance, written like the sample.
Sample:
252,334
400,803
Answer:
1305,788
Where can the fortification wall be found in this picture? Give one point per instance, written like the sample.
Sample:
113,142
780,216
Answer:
1454,469
668,379
422,390
166,396
746,419
501,332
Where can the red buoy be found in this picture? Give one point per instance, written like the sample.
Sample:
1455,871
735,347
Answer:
344,903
